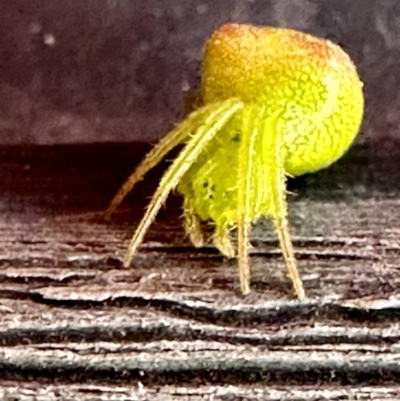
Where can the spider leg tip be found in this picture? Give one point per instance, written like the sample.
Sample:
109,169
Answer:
107,214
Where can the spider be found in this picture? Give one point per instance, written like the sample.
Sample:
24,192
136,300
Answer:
272,103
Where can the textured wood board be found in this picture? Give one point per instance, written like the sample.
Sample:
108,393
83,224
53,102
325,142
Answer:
76,325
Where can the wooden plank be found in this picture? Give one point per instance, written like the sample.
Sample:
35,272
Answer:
76,325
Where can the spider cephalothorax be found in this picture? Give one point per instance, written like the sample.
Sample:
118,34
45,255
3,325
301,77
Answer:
273,102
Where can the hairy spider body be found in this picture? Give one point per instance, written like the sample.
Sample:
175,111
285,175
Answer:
273,102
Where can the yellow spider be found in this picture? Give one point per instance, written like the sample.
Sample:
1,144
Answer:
273,102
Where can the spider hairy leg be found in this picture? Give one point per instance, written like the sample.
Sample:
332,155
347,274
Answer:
245,190
158,152
243,255
213,121
222,241
192,224
275,181
282,230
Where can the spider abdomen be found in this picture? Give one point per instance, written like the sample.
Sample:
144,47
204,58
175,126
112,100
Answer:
310,82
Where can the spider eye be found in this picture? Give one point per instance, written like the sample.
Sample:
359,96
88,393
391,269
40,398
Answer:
236,137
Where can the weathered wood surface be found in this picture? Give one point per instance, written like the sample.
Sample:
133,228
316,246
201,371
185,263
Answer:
76,325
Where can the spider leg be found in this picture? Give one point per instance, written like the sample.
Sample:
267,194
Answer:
192,224
246,167
213,121
222,241
166,144
243,255
275,181
281,225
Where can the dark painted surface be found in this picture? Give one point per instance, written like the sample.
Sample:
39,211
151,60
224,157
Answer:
117,70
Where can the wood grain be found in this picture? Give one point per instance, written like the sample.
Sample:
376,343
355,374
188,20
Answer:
76,325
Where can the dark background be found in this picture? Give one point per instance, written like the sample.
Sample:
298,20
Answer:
85,71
